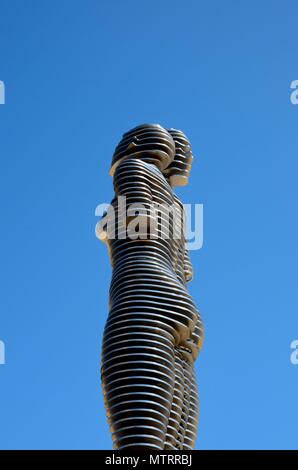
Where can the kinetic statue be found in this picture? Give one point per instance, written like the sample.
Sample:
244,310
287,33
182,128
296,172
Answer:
153,333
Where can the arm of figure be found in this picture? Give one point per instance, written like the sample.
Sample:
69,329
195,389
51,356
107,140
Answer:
188,269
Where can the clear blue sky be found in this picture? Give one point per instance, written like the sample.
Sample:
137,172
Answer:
78,74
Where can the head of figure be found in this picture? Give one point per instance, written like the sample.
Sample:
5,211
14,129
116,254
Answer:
179,170
148,142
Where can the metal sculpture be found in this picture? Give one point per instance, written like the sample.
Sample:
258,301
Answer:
153,333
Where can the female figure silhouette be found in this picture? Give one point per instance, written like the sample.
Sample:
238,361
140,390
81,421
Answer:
153,333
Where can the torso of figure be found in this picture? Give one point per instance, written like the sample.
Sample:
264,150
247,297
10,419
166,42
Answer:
162,240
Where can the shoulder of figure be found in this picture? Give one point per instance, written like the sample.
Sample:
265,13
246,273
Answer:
132,164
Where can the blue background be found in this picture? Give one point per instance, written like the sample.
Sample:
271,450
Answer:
77,75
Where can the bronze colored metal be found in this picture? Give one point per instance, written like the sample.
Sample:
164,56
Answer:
153,333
